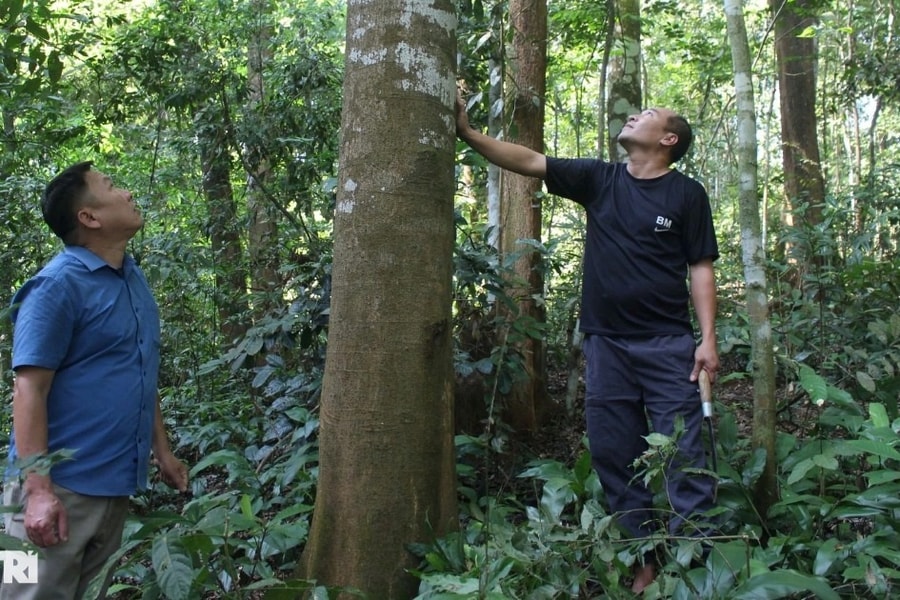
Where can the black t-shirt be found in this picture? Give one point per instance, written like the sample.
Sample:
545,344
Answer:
641,236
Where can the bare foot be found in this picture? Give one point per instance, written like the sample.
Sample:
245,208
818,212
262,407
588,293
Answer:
643,576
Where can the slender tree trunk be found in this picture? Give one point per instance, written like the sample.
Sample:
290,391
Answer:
225,238
495,126
605,71
521,205
387,460
625,96
762,362
852,139
262,243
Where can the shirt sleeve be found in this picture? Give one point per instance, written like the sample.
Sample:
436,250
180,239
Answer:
43,318
700,235
574,178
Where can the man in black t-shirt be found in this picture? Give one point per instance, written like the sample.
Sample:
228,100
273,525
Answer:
649,231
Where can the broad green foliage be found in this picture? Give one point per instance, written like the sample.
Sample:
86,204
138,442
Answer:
242,529
828,537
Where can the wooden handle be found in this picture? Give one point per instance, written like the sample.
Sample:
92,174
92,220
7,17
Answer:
705,394
705,388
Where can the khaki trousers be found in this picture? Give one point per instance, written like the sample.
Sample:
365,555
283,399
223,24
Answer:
66,570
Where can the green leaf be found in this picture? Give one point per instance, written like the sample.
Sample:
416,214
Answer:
885,497
460,586
800,470
842,398
11,10
36,29
781,584
658,440
879,477
54,67
197,544
865,381
7,542
173,567
292,511
497,573
814,385
853,512
832,551
556,496
583,468
826,461
872,447
895,326
484,366
42,463
723,566
210,366
154,521
220,457
754,467
246,506
878,415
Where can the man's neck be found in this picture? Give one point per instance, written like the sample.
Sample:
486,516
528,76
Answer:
647,166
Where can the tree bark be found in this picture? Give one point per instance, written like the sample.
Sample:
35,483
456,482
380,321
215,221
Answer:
387,460
262,242
795,54
225,238
625,96
753,254
521,206
495,127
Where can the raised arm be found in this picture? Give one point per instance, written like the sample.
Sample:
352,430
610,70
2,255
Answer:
506,155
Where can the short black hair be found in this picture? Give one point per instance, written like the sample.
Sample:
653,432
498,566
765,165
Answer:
63,196
679,126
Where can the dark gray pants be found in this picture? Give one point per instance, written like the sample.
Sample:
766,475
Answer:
635,386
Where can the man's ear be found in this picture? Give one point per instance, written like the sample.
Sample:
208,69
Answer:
670,139
86,217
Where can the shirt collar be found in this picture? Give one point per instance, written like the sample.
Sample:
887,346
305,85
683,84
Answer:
91,260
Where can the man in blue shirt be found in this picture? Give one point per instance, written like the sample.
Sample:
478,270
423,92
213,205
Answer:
649,227
86,357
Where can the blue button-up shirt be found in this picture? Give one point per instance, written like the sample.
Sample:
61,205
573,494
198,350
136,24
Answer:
98,328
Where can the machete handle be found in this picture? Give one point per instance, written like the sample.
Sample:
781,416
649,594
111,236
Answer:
705,393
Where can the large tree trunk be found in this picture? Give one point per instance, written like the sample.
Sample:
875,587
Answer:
625,97
521,206
762,362
796,57
387,461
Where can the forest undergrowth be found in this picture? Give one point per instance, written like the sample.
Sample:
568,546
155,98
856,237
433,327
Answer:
562,437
